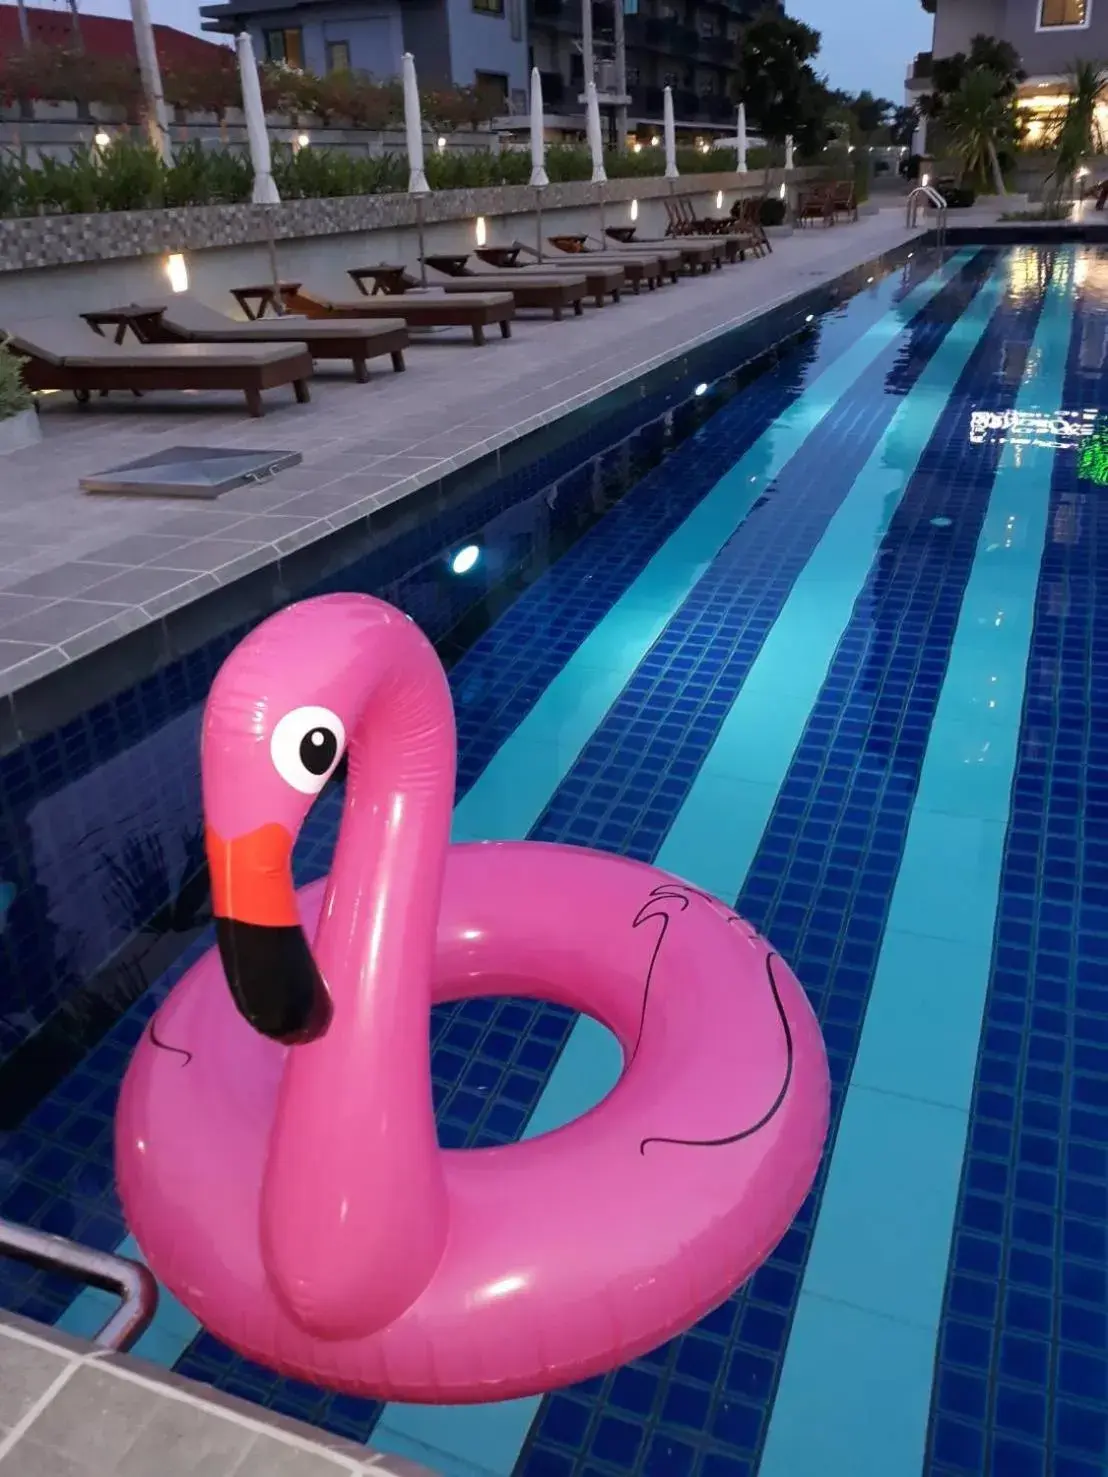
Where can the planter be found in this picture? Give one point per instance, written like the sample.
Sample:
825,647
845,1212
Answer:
55,112
775,233
18,431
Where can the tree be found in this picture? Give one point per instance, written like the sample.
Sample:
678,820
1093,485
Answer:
776,81
979,120
986,53
872,113
1077,133
902,127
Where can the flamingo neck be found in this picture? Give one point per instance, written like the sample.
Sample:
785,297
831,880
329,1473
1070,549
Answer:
354,1213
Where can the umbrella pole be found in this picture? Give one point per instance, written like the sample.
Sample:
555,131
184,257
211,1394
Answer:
603,222
274,274
538,222
422,242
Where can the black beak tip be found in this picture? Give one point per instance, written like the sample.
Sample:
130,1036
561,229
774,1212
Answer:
273,980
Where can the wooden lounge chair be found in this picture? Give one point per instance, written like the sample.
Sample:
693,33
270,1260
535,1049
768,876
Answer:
649,267
843,199
814,204
183,319
476,311
697,255
684,223
599,283
65,354
553,294
746,221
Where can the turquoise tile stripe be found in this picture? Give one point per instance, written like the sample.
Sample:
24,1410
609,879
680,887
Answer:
855,1388
740,779
514,790
461,1440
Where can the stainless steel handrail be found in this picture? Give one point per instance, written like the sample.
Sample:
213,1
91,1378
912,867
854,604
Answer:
932,196
133,1283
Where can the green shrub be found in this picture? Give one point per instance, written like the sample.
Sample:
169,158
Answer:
771,212
14,394
130,175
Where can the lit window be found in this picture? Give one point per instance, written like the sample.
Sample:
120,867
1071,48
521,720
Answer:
338,56
286,47
1062,14
489,7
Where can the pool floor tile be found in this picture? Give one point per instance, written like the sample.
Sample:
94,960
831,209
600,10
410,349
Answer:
877,1232
867,1378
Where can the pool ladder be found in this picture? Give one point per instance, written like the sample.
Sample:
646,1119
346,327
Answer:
936,201
131,1282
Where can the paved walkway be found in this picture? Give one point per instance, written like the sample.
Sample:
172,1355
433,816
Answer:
77,572
68,1410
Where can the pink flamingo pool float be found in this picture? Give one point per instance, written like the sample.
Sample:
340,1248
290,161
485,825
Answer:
275,1140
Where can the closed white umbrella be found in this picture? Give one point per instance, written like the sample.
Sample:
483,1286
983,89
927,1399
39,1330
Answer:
413,129
670,132
740,161
789,152
596,148
592,128
257,135
539,178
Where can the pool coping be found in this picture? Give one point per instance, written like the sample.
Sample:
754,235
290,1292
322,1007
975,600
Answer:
68,1364
55,685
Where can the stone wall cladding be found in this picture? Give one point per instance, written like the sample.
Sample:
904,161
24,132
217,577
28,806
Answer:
33,242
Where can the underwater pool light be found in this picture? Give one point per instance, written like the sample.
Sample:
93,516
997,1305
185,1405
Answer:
464,560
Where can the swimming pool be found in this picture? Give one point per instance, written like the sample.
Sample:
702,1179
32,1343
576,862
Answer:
826,642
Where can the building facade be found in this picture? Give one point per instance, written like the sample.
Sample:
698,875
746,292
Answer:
469,43
688,45
1049,35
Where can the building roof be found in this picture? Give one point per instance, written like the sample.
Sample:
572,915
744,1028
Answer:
102,35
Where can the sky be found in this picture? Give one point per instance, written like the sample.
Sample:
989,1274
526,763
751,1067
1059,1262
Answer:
866,43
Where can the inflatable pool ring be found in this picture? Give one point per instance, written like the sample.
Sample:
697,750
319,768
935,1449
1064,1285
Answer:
275,1141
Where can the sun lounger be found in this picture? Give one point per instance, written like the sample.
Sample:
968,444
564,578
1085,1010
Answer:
553,292
476,311
183,319
65,354
599,284
652,266
696,254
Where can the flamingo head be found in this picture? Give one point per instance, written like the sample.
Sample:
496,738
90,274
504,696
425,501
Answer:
276,726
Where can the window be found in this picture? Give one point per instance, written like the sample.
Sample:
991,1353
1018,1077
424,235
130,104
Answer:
338,56
1064,14
285,46
494,87
488,7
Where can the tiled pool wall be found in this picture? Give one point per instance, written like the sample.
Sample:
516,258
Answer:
102,880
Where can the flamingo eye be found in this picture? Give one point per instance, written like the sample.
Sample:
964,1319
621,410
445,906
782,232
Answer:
305,747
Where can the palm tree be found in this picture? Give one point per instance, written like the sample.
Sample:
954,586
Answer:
1077,132
979,118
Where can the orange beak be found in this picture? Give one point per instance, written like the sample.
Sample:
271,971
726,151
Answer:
268,963
252,877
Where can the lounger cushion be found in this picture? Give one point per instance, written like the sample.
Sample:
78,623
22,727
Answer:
192,319
427,301
70,342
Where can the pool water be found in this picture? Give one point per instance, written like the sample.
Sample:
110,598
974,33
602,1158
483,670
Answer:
828,643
